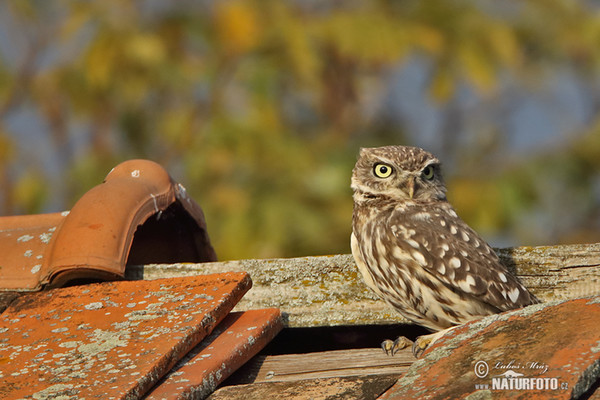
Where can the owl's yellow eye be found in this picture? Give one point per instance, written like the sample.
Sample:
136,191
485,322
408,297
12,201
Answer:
382,170
427,172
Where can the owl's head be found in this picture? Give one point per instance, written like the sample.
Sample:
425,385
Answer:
399,173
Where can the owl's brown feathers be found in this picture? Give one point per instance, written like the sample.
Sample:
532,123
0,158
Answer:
415,252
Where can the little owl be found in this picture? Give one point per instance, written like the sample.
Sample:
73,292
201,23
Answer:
416,253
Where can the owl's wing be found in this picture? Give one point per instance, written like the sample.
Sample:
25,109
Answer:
450,250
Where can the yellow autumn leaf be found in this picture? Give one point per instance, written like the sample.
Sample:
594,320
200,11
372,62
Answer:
428,38
237,26
503,42
303,58
99,62
146,49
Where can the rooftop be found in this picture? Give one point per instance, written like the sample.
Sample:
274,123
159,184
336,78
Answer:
122,297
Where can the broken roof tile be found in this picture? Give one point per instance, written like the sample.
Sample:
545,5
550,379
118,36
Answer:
108,228
111,340
541,351
234,341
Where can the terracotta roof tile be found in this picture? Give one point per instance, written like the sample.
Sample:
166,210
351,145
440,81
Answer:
233,342
23,243
109,227
109,340
550,350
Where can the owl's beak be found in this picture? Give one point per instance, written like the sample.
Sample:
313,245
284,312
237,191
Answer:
410,185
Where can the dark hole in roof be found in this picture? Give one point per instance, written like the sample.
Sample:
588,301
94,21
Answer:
168,237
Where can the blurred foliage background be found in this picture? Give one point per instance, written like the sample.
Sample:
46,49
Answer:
259,108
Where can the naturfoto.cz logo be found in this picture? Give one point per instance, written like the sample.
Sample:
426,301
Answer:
511,379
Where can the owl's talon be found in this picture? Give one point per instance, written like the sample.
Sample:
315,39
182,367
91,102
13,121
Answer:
421,344
390,348
424,342
387,346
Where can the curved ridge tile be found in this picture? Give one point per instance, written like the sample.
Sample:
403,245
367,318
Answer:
94,239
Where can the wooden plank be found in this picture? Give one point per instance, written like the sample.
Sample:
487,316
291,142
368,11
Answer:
364,388
325,364
556,272
328,290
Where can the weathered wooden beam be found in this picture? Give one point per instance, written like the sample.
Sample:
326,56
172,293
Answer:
328,290
556,272
310,291
324,364
356,387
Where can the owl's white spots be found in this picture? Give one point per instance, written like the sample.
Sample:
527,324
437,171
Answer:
513,295
445,247
465,236
453,229
442,222
470,280
463,253
441,252
450,274
413,243
401,231
441,268
476,242
419,258
467,284
423,216
453,213
502,277
454,262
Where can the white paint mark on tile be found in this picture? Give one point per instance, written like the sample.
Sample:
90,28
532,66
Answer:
24,238
45,237
36,268
94,306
